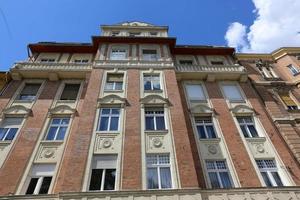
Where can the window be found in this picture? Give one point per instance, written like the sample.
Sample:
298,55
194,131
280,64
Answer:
118,54
149,54
269,172
29,91
205,127
158,171
81,60
232,92
195,92
294,70
58,129
151,82
40,179
115,33
217,62
153,33
109,119
70,92
247,126
103,176
9,128
288,101
155,119
185,62
218,174
114,82
134,34
47,60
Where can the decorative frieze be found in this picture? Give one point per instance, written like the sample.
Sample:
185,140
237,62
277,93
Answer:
107,143
259,147
211,149
55,66
48,152
109,64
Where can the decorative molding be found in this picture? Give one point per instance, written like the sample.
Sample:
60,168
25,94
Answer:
133,64
241,109
155,99
202,108
113,99
55,66
62,109
48,152
211,68
105,143
16,110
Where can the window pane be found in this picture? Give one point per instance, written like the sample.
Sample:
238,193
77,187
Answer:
119,86
51,133
266,179
210,131
156,85
225,179
61,133
70,92
165,177
109,86
105,111
45,185
114,124
147,85
32,185
160,123
29,92
65,121
277,179
11,134
96,177
3,132
252,131
103,124
232,92
244,130
149,123
56,121
110,177
195,92
201,132
152,178
213,177
115,111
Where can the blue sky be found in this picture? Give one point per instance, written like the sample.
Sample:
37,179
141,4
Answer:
198,22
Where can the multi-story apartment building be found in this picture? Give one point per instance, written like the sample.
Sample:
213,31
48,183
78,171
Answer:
133,115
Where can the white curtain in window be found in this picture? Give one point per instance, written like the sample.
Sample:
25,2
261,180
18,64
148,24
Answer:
195,92
104,162
232,92
43,170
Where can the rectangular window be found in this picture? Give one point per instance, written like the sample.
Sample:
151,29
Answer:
247,126
9,128
269,172
40,179
158,171
151,82
109,119
205,127
218,174
81,60
115,33
155,119
134,34
58,129
70,91
149,54
118,54
195,92
294,70
103,176
153,33
288,101
217,62
185,62
232,92
114,82
29,91
47,60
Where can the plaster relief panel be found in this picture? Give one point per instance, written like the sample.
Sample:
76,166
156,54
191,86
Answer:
107,143
49,152
210,149
259,147
156,143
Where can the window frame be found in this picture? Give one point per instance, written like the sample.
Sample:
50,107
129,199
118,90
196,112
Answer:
205,96
9,127
269,171
204,124
240,91
47,60
293,70
155,116
152,75
58,126
18,97
110,115
150,58
158,167
63,88
246,126
114,82
218,171
118,49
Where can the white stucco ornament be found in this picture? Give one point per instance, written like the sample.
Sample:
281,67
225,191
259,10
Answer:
106,143
48,153
157,142
212,149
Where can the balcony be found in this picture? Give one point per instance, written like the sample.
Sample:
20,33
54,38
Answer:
53,71
110,64
212,72
283,193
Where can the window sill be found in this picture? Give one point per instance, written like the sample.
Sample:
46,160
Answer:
237,101
5,142
66,101
23,101
113,91
52,142
293,111
156,131
153,91
210,139
112,133
256,139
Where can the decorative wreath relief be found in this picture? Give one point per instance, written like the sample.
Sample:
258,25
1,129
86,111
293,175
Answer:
260,148
212,149
106,143
157,142
48,153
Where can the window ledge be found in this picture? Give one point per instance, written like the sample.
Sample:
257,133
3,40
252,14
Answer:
113,91
156,131
153,91
54,142
256,139
293,111
210,139
5,142
237,101
23,101
108,133
66,101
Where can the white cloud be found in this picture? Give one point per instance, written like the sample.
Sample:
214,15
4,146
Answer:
277,24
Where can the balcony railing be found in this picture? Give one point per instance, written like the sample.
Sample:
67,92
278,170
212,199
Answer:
55,66
134,63
210,68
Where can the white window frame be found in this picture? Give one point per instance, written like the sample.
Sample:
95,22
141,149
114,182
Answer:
204,124
269,171
17,126
47,60
114,82
157,166
204,99
217,171
58,128
110,115
155,115
294,70
151,75
150,58
119,51
245,124
242,97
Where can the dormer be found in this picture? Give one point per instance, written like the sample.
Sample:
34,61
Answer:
134,29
